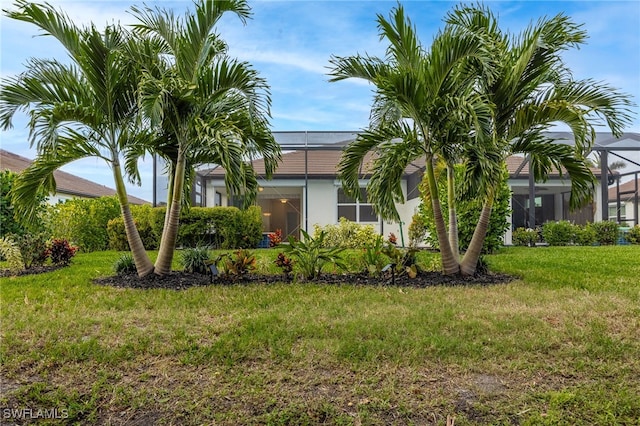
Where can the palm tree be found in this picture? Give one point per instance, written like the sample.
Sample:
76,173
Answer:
532,90
87,108
209,108
425,107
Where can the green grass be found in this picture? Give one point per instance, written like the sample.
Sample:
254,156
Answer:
558,346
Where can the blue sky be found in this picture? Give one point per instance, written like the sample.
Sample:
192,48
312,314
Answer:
290,43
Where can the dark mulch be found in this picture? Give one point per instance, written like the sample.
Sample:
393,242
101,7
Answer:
182,280
34,270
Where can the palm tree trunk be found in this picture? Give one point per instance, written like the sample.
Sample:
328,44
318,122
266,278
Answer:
470,259
453,218
139,254
450,264
170,233
169,198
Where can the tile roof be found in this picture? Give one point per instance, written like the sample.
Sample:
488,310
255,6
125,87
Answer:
628,187
66,183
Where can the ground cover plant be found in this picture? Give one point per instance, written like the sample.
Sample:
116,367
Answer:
558,346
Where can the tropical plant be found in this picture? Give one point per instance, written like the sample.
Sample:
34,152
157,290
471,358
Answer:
207,107
530,90
284,263
9,223
275,238
373,257
84,108
195,260
124,265
311,255
425,106
33,248
347,234
238,263
584,235
61,252
10,252
476,97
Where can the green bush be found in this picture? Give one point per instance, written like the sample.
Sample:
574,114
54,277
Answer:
558,233
633,236
606,232
418,230
143,217
347,234
584,235
468,213
83,221
124,265
525,237
9,223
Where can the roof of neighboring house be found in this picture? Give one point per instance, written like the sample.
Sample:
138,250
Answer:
628,190
66,183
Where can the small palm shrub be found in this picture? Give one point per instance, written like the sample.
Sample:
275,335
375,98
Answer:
124,265
525,237
10,251
558,233
606,232
195,260
312,255
61,252
633,236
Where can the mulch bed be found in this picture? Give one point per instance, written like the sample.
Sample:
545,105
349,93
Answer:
34,270
182,280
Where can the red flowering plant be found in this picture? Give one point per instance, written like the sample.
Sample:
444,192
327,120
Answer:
61,252
284,263
275,238
392,238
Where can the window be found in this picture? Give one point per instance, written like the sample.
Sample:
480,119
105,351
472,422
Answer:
355,211
218,200
613,211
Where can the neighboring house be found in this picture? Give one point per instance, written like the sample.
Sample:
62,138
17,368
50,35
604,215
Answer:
624,205
68,186
306,191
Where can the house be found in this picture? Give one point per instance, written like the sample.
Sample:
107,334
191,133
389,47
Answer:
68,186
624,200
305,190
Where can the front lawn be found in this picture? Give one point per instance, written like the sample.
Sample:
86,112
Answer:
559,346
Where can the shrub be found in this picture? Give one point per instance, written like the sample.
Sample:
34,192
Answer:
240,263
118,236
525,237
633,236
9,223
558,233
275,238
11,253
61,252
373,258
195,260
312,255
403,259
346,234
33,248
606,232
83,221
584,235
124,265
418,230
284,263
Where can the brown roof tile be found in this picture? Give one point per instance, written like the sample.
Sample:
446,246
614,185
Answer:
628,187
66,183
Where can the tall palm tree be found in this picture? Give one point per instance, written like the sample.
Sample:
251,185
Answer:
87,108
210,107
425,107
531,90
